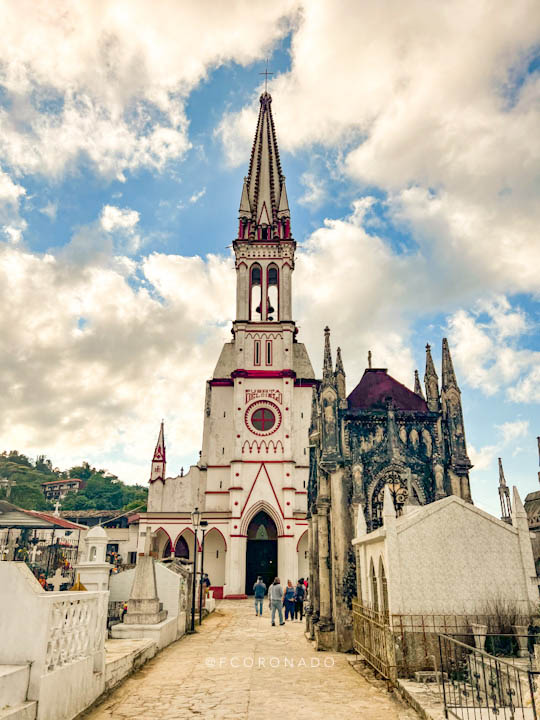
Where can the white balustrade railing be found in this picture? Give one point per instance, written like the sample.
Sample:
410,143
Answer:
76,627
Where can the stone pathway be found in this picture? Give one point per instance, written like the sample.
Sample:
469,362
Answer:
239,667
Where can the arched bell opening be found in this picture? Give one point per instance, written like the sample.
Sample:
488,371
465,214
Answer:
255,293
272,303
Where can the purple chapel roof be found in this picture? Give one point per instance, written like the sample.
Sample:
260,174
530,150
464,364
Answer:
376,387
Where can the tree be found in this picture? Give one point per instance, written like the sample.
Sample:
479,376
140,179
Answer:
82,472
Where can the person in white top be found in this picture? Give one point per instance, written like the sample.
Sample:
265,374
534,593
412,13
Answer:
275,597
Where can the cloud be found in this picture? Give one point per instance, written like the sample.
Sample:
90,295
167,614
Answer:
197,196
12,224
315,190
113,88
122,221
95,352
509,432
50,210
486,350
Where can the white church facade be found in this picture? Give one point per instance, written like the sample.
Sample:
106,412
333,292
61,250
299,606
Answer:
250,483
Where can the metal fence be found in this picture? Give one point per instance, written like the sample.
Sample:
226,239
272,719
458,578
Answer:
480,686
373,639
399,645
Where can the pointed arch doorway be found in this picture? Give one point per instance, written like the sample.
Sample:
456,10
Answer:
261,551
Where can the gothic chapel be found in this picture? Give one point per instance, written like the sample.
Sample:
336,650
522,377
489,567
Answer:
250,483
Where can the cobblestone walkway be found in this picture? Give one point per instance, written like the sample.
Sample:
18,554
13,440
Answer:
238,667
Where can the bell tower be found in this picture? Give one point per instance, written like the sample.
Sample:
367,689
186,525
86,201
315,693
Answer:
264,247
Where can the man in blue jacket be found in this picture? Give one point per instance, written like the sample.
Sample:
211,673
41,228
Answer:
259,590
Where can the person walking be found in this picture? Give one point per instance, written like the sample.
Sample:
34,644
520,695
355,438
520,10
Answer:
259,590
299,595
288,601
275,598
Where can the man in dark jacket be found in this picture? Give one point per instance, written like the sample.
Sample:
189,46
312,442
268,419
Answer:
299,595
259,590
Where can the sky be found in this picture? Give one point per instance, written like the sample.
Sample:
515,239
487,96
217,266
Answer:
410,139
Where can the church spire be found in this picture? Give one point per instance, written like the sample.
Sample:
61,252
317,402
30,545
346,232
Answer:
264,207
328,373
158,461
504,496
431,381
417,386
448,374
339,376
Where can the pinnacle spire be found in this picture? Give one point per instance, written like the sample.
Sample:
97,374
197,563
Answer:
264,197
328,373
448,374
339,362
158,460
431,381
502,479
504,495
417,386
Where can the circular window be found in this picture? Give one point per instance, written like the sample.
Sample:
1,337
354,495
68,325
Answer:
263,418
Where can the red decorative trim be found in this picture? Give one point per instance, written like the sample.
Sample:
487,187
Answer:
301,536
218,531
301,492
269,353
270,481
285,536
189,546
221,382
235,597
225,466
299,523
236,535
237,487
288,488
262,373
256,352
216,492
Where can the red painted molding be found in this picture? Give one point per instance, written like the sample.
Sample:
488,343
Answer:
301,536
237,487
235,597
216,492
301,492
221,382
286,535
288,488
238,535
224,466
263,373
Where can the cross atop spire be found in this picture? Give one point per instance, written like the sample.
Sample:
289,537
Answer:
266,74
264,206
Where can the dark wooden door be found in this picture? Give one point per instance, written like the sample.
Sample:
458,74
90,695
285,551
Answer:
261,559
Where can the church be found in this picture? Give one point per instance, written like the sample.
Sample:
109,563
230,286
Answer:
382,436
250,483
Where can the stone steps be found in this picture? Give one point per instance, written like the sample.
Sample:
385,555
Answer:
13,684
21,711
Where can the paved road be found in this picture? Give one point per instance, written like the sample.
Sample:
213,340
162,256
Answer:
239,667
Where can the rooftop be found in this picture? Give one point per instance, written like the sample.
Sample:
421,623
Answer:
377,387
